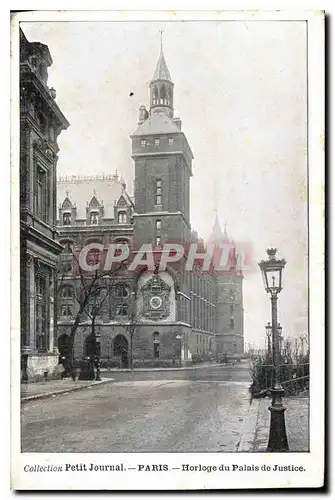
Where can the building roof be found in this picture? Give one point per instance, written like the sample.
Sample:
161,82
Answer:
107,189
161,71
157,123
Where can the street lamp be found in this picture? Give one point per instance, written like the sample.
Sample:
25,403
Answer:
179,337
97,355
272,276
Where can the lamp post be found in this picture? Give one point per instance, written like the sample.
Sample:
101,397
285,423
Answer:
272,276
97,355
179,337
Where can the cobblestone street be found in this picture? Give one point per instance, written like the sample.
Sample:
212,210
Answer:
181,411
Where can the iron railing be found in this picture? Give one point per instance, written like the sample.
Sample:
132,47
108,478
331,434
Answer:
294,378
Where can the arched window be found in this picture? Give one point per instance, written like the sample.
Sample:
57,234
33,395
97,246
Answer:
66,218
121,241
155,338
93,257
66,291
94,217
163,94
155,96
169,96
122,217
121,309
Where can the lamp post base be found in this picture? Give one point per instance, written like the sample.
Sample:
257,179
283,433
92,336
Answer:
277,437
98,378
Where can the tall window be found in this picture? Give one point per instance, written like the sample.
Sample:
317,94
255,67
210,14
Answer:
41,194
66,218
41,313
231,310
158,225
66,302
143,143
158,241
94,218
93,257
94,304
158,192
156,344
121,291
66,266
122,217
156,142
68,247
170,141
232,323
121,310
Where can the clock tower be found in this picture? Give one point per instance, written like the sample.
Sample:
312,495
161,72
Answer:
163,167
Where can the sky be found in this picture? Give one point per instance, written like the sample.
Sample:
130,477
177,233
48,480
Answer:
241,93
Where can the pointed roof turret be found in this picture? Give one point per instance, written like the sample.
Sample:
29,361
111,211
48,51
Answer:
161,71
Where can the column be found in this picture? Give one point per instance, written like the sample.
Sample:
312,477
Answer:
31,306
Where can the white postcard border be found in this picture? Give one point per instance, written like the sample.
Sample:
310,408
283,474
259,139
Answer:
312,462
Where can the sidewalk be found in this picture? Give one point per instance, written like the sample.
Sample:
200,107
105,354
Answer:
256,429
45,389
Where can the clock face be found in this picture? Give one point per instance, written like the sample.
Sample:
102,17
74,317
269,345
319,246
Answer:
155,302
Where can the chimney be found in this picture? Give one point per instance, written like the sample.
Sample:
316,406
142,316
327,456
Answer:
177,121
142,114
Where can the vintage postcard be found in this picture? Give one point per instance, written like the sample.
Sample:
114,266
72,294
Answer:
167,172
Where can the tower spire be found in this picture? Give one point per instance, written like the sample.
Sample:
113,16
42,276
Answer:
161,33
161,86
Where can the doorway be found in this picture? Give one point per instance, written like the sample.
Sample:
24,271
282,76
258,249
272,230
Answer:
120,350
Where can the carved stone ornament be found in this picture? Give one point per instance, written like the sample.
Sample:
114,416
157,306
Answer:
44,146
156,295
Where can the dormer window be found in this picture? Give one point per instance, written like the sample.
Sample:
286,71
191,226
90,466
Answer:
66,218
94,218
156,142
170,141
143,143
122,218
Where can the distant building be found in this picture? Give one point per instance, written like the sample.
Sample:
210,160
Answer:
178,314
41,121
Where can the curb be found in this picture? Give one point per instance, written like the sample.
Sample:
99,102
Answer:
45,395
249,430
183,368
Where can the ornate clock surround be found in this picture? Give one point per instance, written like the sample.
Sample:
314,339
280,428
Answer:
156,295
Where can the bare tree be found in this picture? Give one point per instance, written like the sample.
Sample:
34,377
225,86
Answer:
90,294
131,327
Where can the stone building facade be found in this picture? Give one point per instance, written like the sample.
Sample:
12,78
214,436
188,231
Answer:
168,317
41,122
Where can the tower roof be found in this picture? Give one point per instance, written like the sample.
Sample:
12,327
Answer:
158,123
162,71
217,235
